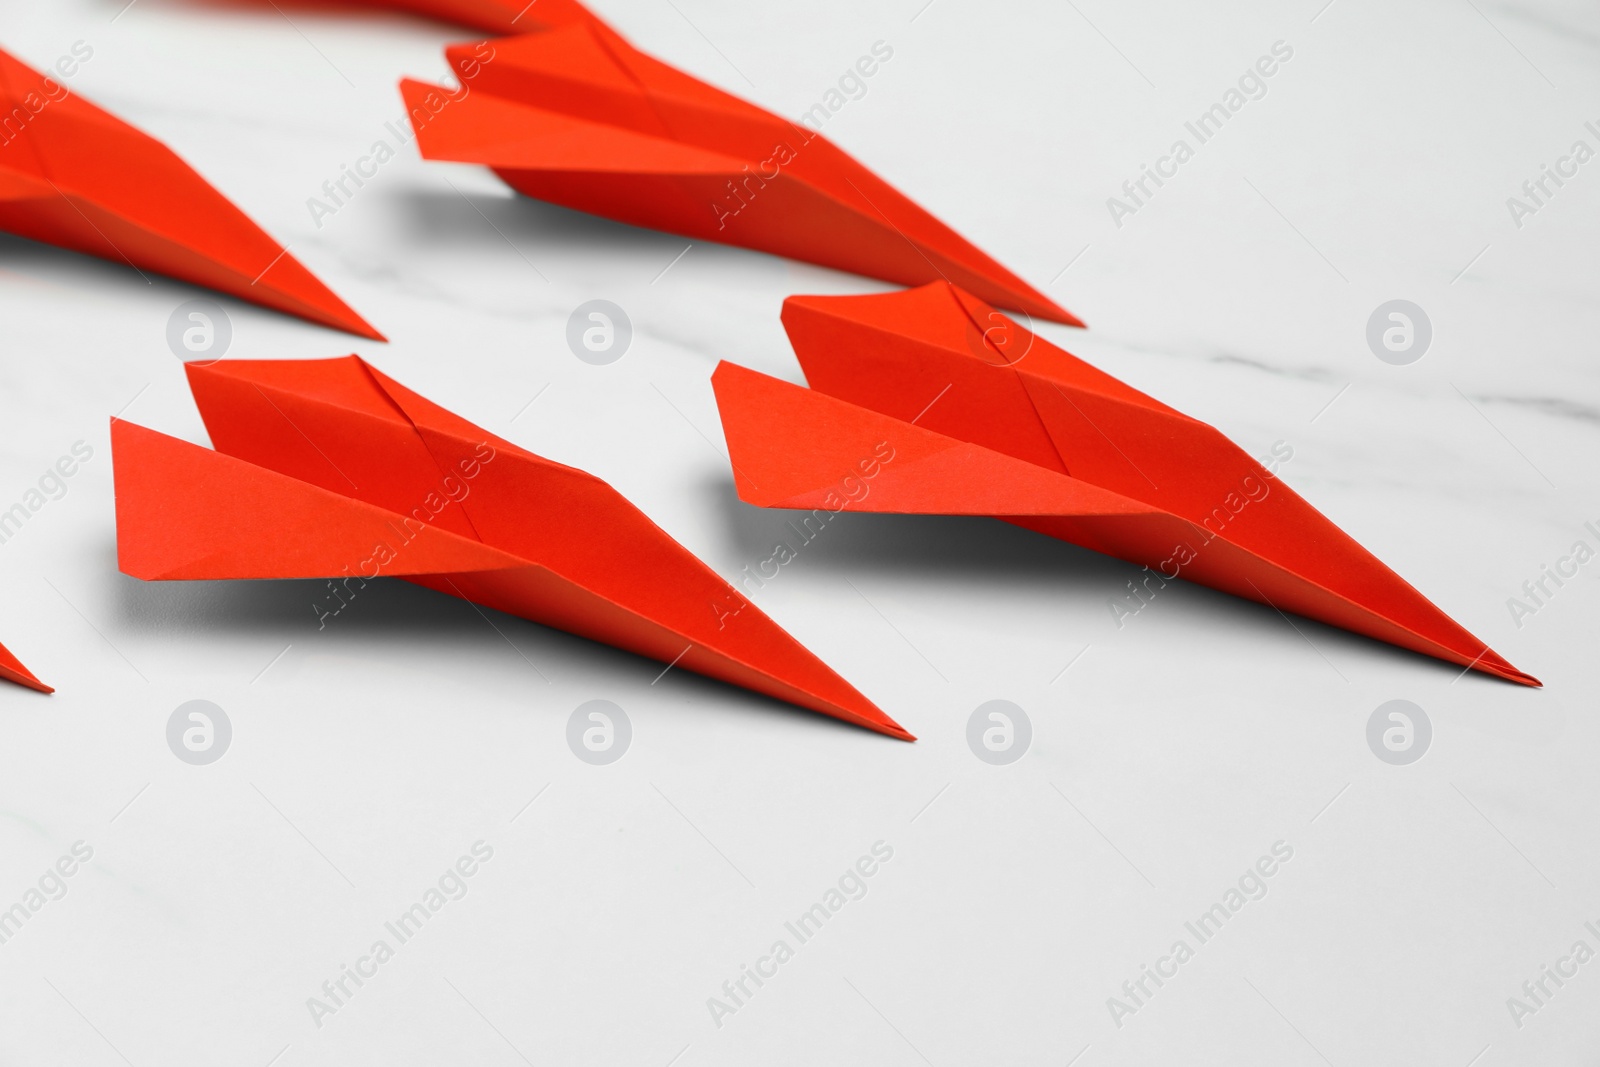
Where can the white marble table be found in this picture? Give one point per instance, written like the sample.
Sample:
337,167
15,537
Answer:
1168,758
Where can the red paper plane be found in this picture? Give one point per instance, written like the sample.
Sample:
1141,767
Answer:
12,670
499,16
490,16
75,176
984,418
580,118
330,469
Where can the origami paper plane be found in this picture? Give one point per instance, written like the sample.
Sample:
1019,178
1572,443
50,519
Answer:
12,670
499,16
330,469
75,176
579,117
491,16
981,417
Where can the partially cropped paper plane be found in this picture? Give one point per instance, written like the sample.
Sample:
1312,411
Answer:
330,469
12,670
75,176
498,16
579,117
984,418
